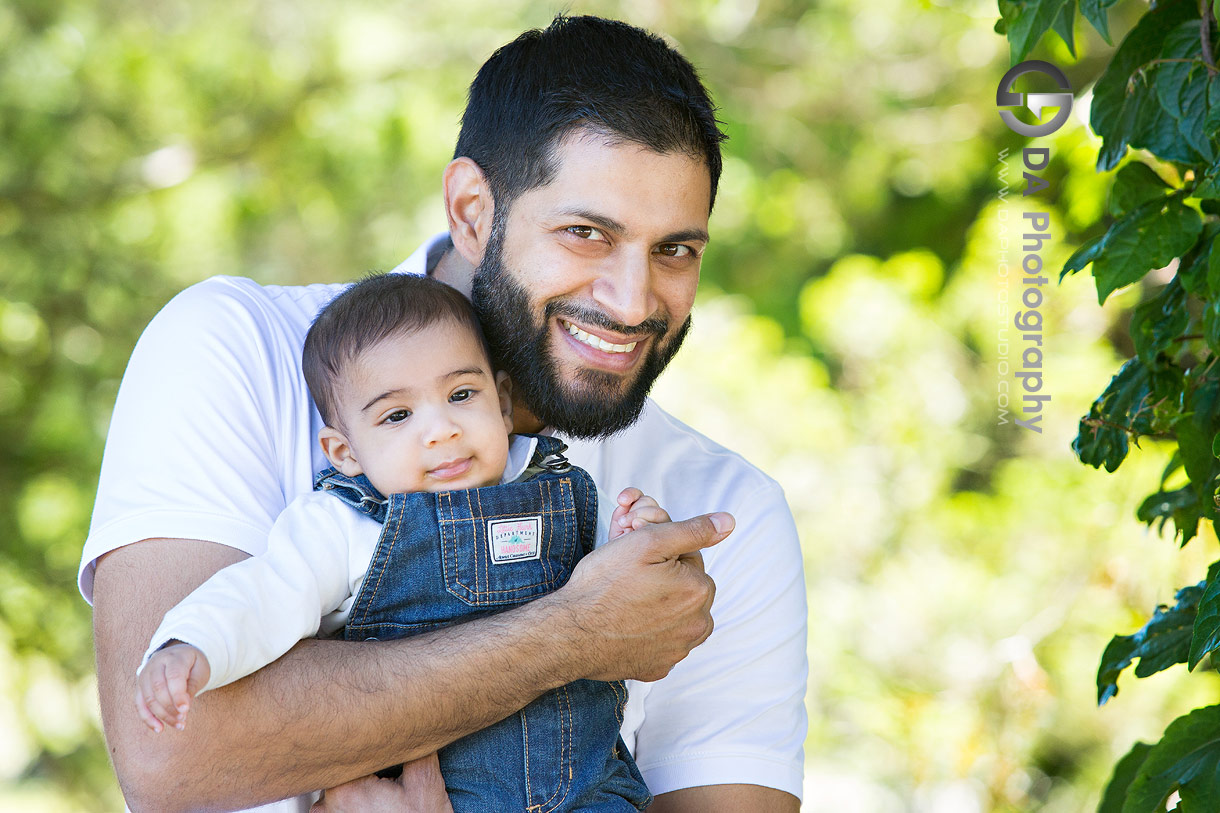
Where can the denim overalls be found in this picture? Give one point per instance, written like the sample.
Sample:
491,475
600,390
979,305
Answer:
457,555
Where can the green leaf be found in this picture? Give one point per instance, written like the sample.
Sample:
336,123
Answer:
1142,234
1164,410
1124,774
1187,759
1185,90
1102,436
1148,237
1197,456
1180,505
1213,269
1026,21
1084,255
1099,446
1134,184
1206,634
1095,12
1161,643
1064,23
1193,271
1211,325
1175,463
1125,109
1155,324
1212,122
1208,187
1202,393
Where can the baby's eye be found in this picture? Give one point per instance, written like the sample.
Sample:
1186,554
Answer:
398,416
462,395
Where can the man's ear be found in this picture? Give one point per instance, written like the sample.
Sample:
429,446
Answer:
338,451
504,388
469,208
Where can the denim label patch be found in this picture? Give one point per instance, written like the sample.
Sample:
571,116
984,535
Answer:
513,540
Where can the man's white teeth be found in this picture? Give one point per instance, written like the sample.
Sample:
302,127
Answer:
600,344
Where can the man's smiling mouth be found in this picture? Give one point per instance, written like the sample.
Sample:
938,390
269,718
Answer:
594,341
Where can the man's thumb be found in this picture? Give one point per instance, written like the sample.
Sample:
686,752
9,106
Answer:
690,535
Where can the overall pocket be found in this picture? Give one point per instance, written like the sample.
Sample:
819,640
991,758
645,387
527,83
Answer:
507,544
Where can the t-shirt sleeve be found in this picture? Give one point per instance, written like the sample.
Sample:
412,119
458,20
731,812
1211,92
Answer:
249,614
207,427
733,711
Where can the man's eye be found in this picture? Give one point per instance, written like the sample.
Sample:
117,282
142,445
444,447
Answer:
584,232
462,395
398,416
675,250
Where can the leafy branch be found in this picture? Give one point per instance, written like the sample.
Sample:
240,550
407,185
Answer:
1153,97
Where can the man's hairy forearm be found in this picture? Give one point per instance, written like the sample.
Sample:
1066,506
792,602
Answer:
331,711
325,713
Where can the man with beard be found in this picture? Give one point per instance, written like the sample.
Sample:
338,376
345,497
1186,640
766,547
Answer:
578,204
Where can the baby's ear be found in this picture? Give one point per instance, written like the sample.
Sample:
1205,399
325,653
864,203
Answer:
504,388
338,451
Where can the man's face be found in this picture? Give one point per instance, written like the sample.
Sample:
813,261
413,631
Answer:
585,288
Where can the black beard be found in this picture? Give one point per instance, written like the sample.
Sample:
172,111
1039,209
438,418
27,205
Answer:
603,405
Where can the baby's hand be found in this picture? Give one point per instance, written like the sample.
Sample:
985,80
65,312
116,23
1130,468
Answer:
635,509
167,683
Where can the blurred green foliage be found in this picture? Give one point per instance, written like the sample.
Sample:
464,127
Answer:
961,577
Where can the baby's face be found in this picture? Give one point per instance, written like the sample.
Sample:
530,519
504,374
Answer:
424,412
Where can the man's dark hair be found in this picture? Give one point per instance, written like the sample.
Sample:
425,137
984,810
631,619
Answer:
370,311
613,79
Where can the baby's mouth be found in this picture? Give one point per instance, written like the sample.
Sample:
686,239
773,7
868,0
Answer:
451,468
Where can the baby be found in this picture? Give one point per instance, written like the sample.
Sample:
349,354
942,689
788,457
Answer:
433,513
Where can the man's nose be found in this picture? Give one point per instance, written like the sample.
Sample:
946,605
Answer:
624,290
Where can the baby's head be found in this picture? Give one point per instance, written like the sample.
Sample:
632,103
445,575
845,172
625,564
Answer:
399,369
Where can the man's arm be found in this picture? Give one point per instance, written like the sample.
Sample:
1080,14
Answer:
733,712
726,799
332,711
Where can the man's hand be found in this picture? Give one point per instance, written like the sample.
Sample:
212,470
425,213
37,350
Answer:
420,789
166,684
642,600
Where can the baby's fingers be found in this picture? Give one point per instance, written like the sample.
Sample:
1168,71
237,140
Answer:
161,673
629,495
644,502
176,679
640,517
146,714
160,704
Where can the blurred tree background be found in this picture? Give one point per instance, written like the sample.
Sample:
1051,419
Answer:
963,575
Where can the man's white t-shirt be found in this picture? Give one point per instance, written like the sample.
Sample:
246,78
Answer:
214,433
